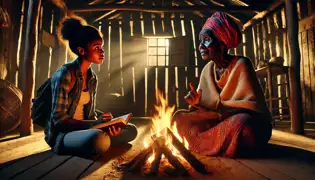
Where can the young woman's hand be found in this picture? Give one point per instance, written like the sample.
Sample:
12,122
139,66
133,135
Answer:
193,97
114,131
105,117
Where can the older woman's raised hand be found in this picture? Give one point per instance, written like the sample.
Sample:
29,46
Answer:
193,97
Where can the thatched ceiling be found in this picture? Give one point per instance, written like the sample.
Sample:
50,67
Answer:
241,10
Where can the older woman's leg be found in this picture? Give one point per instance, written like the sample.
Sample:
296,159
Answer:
212,138
189,124
255,134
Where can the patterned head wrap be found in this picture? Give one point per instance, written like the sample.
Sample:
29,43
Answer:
224,28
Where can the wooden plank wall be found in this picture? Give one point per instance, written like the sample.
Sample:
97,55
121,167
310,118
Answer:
307,49
44,58
270,40
135,84
10,53
140,82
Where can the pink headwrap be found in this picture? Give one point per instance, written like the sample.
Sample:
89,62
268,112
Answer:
224,28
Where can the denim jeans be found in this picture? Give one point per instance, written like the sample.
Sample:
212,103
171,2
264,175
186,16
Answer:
91,141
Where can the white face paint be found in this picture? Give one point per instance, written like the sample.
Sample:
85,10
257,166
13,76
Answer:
206,40
211,48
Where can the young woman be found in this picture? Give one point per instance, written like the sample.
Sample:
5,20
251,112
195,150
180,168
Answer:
73,97
228,114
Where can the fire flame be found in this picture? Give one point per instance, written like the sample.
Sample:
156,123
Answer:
162,120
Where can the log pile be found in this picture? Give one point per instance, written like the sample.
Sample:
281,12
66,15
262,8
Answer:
159,147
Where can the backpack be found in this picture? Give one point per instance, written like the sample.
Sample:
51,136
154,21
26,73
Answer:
41,108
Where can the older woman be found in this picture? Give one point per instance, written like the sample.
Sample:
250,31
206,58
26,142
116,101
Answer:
228,114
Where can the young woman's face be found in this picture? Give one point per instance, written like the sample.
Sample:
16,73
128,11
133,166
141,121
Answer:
95,52
209,46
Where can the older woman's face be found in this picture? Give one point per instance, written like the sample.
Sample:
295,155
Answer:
209,46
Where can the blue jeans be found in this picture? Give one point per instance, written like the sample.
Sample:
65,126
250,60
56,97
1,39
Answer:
91,141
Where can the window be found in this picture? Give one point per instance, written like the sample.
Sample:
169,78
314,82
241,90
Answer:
158,52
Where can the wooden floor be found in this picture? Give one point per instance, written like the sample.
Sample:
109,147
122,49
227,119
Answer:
288,157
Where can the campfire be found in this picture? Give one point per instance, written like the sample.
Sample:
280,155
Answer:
165,144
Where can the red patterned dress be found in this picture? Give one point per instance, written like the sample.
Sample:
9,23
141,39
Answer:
248,128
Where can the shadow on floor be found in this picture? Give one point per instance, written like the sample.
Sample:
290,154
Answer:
13,168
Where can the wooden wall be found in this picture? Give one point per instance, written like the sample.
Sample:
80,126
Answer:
270,40
50,53
9,37
125,71
307,49
127,84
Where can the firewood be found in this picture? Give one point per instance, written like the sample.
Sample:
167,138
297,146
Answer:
136,163
180,169
156,162
191,159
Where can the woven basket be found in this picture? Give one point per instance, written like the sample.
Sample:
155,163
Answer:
10,104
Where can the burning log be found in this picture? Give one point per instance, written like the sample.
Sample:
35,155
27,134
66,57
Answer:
191,159
156,162
172,159
136,163
159,147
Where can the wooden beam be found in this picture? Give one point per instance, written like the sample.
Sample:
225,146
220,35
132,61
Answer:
101,2
28,66
307,23
297,122
216,3
131,7
262,14
104,15
198,13
114,15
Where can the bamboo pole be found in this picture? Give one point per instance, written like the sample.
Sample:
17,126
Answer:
28,66
297,121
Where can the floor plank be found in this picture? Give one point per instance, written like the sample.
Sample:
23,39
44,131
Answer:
20,141
294,139
288,167
217,169
266,171
23,151
43,168
303,159
71,169
24,164
288,159
239,170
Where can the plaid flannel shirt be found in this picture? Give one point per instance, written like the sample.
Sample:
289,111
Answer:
65,100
